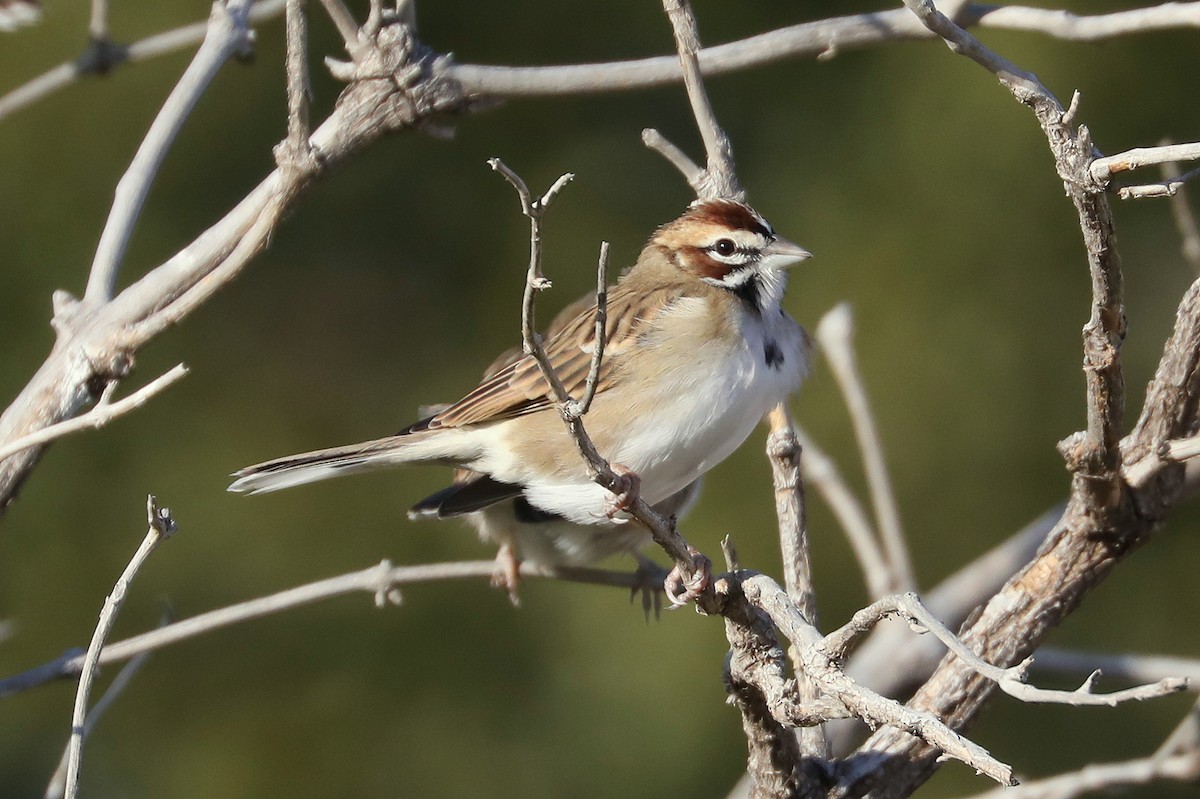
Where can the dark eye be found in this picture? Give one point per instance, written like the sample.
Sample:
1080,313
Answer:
725,247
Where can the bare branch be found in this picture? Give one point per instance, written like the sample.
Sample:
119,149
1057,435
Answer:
58,781
98,26
381,580
691,172
1164,188
820,39
1177,760
343,20
835,332
1102,169
1126,667
720,179
299,89
1010,680
228,33
91,62
161,526
822,472
101,414
783,450
764,593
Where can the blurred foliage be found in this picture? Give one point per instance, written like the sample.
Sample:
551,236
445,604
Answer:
931,203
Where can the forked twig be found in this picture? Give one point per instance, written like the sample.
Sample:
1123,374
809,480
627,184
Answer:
662,529
104,411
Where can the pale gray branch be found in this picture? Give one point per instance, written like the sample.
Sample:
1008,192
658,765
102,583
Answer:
1102,169
58,781
764,593
822,472
101,414
835,333
161,526
381,580
228,33
151,47
1010,680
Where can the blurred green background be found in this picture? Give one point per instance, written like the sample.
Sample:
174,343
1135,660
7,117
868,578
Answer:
931,203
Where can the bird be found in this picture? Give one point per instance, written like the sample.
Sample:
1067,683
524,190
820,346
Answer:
524,533
698,348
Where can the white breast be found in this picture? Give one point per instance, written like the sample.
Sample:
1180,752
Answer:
708,395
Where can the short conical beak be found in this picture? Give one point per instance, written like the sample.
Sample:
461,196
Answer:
781,253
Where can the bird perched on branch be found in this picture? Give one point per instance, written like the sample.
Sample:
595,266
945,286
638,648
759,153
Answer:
525,533
697,349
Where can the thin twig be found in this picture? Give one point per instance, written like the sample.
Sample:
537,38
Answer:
381,580
821,39
1164,188
161,526
104,411
1102,169
835,333
580,407
1125,667
822,473
228,33
58,782
1010,680
343,20
299,89
151,47
720,180
783,451
98,25
690,170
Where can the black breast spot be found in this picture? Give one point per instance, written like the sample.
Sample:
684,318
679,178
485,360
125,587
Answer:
772,354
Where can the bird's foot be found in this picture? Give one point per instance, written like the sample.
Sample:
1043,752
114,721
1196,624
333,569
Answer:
627,490
507,574
650,580
681,591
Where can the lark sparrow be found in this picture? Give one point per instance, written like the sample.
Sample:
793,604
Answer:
697,350
524,533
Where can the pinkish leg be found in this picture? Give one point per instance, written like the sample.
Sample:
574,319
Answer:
508,573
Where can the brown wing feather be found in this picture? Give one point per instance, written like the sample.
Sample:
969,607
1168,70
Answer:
518,387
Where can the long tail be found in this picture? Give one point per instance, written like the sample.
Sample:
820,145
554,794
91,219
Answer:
322,464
